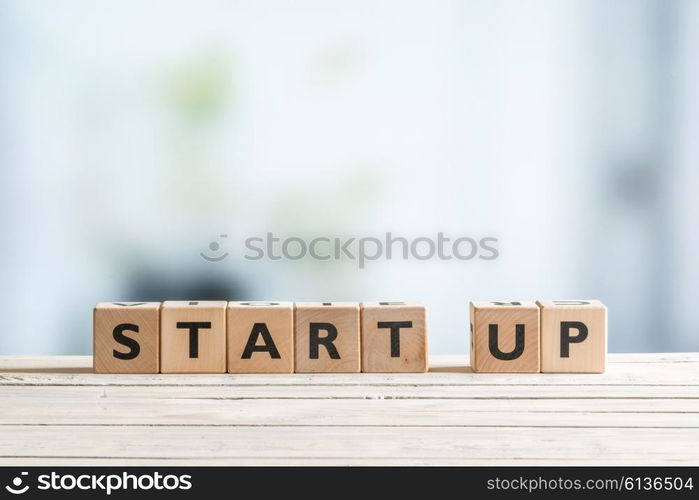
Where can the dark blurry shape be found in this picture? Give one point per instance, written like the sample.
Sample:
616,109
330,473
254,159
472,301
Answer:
153,286
636,184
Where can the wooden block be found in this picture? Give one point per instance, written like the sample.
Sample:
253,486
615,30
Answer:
326,337
505,337
573,336
193,337
125,337
394,337
260,337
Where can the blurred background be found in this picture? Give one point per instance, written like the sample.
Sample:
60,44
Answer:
133,134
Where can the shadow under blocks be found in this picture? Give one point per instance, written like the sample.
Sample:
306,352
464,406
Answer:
548,336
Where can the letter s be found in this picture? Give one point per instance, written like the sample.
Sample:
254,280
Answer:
185,483
494,253
249,246
132,344
44,483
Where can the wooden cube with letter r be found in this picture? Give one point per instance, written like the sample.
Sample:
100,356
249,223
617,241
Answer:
326,337
125,337
505,337
573,336
394,337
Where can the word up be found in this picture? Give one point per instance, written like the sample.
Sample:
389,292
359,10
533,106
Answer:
548,336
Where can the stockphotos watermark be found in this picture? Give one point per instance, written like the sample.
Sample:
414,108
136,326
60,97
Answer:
106,483
361,250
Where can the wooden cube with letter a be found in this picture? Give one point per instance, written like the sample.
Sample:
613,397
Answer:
125,337
505,337
394,337
260,337
193,337
573,336
326,337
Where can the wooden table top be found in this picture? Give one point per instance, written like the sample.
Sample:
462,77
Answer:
644,410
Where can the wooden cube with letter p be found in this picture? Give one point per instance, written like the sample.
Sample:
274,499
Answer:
260,337
125,337
326,337
505,337
394,337
573,336
193,337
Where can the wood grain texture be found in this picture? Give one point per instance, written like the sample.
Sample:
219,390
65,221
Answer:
144,316
400,348
268,325
340,356
643,410
179,353
507,317
586,356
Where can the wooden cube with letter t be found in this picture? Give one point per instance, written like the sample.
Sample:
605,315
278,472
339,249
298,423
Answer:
125,337
394,337
326,337
260,337
573,336
193,337
505,337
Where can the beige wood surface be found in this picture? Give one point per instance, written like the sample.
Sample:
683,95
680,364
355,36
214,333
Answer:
378,353
507,316
131,316
585,356
277,320
176,354
344,319
643,410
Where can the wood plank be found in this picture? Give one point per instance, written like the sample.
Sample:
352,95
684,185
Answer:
90,395
617,374
319,461
380,391
83,364
462,445
387,412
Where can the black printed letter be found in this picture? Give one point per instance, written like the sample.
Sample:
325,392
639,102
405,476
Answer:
327,341
260,329
493,343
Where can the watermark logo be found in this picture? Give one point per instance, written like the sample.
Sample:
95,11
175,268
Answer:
16,487
371,248
363,250
215,247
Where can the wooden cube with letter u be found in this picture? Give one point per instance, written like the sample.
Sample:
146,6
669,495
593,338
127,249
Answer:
505,337
394,337
326,337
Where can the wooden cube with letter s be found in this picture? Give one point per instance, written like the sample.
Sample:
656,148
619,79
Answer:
126,337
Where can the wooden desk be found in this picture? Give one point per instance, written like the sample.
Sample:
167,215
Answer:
644,410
